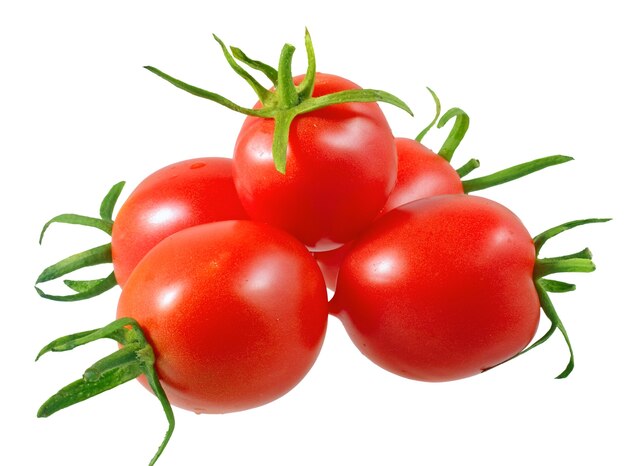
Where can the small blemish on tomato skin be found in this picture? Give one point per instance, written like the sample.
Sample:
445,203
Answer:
197,165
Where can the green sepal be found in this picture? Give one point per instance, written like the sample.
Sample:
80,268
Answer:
108,203
548,266
104,223
85,289
352,95
543,237
94,256
134,358
305,88
124,357
584,254
66,343
212,96
270,72
73,219
81,389
556,286
286,90
468,167
263,94
423,133
513,173
82,286
457,133
555,323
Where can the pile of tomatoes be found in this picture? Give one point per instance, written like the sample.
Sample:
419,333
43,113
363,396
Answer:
226,264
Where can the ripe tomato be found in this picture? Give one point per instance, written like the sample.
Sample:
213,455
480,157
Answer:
441,288
229,333
187,193
341,166
421,173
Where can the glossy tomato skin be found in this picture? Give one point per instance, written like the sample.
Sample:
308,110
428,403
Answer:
187,193
440,289
341,166
236,313
421,173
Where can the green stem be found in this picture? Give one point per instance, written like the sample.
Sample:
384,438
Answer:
513,173
281,139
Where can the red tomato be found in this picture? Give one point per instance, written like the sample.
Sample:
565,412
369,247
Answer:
229,332
421,174
178,196
341,167
441,288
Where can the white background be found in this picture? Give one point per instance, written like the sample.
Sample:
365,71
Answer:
78,113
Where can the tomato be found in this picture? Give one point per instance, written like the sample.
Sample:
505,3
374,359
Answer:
421,173
187,193
441,288
228,331
340,169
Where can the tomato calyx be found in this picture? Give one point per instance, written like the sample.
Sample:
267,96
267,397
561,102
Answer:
578,262
134,358
456,135
286,100
99,255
